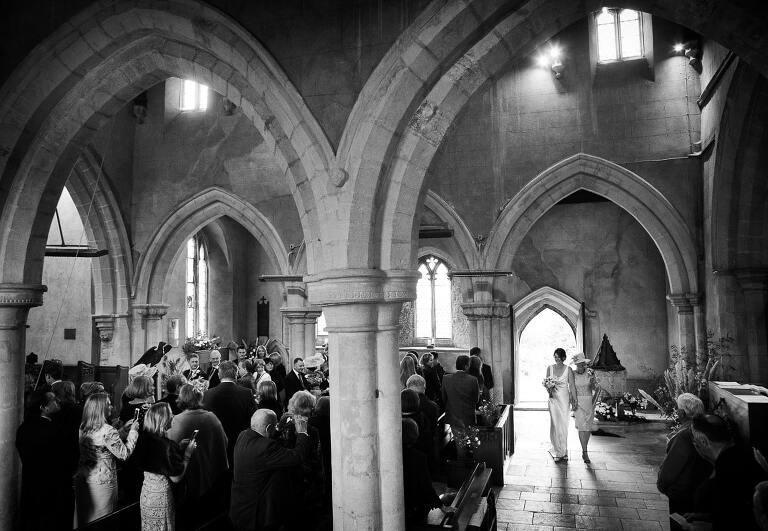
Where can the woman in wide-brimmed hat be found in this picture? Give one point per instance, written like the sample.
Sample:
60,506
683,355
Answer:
584,413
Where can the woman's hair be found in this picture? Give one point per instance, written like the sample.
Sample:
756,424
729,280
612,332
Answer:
249,366
301,403
64,391
560,353
88,388
475,369
425,359
407,369
323,407
190,397
173,383
140,387
691,404
267,389
95,412
258,363
158,418
409,401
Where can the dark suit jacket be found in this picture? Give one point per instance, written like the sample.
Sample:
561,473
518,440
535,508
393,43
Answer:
682,471
213,377
461,392
293,384
266,482
233,405
487,375
199,373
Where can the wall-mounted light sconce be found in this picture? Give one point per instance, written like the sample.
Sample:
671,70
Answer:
552,59
691,50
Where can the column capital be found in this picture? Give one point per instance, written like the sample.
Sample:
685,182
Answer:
361,286
22,295
151,311
681,301
105,324
309,313
486,310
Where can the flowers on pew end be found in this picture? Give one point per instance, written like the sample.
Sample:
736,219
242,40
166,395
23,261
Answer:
200,341
488,410
550,384
466,439
605,411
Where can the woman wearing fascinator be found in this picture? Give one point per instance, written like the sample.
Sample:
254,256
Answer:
584,411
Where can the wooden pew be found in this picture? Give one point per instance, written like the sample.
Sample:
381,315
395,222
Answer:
474,504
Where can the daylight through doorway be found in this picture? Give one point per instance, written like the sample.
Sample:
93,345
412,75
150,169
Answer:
538,341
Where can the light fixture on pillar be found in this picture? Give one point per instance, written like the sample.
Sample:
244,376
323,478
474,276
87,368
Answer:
691,49
552,59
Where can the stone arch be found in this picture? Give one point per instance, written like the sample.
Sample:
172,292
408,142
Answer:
628,190
548,297
461,234
72,84
187,219
104,225
417,90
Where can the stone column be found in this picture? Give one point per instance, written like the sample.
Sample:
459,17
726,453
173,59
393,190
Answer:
362,307
301,330
153,331
700,330
494,337
15,302
754,284
105,324
685,322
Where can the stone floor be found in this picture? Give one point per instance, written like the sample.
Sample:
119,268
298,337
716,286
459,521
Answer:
616,491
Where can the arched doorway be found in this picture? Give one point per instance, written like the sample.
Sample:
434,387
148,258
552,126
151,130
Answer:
545,332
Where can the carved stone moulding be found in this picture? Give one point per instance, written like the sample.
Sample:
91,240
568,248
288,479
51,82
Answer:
151,311
486,310
22,294
350,286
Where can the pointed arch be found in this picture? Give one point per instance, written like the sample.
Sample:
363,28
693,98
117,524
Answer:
105,227
186,220
461,233
72,84
628,190
548,297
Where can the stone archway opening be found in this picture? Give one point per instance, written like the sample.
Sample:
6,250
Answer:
545,332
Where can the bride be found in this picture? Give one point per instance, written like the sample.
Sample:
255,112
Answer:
560,384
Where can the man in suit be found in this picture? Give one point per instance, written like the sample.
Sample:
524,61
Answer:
267,477
213,369
295,381
486,369
232,404
194,372
460,393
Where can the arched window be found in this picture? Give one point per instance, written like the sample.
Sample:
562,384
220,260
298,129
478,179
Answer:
433,300
197,287
619,35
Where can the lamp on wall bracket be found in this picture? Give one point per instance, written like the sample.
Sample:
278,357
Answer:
691,49
552,59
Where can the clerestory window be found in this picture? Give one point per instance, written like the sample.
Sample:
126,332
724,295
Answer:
197,287
194,96
619,34
433,300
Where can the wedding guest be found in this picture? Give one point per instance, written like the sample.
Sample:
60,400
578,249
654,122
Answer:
430,412
419,495
195,371
438,368
232,404
725,498
409,407
583,406
172,385
266,395
431,379
683,469
295,380
163,461
475,369
486,369
89,388
276,370
267,481
247,379
415,357
140,394
68,420
260,373
213,370
242,357
460,393
407,369
206,483
321,422
100,447
53,371
45,476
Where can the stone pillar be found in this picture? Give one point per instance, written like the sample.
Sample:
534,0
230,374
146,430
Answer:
700,330
362,308
152,327
301,330
685,322
494,337
15,302
754,284
105,324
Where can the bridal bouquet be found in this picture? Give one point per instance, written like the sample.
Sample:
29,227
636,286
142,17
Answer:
550,384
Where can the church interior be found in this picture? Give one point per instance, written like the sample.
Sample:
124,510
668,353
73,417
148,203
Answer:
373,177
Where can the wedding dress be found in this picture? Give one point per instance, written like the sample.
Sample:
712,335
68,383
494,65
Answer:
559,413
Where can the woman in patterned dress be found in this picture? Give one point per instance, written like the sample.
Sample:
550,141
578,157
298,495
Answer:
584,414
163,461
100,447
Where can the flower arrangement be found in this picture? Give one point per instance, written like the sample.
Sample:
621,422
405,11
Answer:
467,438
488,409
201,384
200,341
550,384
605,411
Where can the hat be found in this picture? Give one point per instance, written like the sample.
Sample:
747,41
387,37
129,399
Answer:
579,358
313,362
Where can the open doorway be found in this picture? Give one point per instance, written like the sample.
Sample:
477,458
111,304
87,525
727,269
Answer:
546,331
